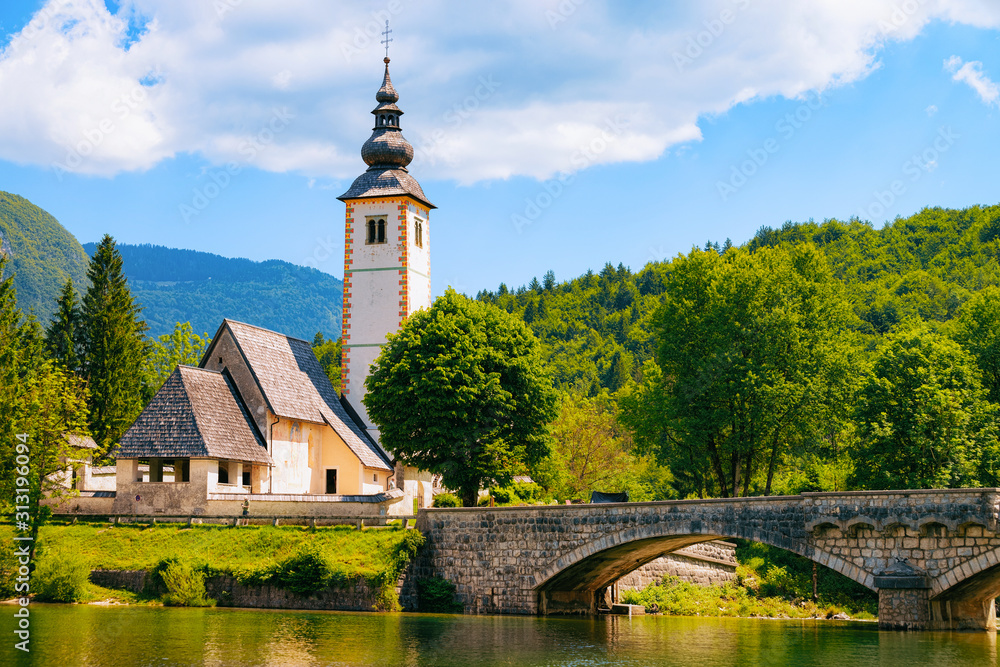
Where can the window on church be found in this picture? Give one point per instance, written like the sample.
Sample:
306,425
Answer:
418,233
375,230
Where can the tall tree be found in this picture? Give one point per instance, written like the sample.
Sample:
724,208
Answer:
182,346
460,391
54,407
41,403
62,337
11,386
328,353
978,331
753,347
924,420
114,346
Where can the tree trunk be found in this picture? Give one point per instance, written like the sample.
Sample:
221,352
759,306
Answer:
470,496
770,467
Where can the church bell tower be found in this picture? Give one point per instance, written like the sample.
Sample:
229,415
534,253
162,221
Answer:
387,260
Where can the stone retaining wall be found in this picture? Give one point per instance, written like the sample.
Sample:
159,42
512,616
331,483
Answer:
353,596
126,580
356,595
704,564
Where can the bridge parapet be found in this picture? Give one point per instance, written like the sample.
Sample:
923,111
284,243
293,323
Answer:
550,559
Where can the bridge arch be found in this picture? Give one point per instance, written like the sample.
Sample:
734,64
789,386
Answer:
598,563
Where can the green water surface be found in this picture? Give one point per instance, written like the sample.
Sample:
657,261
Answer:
65,635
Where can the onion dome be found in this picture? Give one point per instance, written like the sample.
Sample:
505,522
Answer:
387,148
387,153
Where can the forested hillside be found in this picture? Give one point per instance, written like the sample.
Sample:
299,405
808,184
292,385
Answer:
817,356
595,329
43,254
175,285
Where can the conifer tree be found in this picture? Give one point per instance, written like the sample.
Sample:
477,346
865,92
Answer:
114,347
62,338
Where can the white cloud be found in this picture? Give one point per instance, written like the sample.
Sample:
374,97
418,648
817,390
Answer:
971,73
491,90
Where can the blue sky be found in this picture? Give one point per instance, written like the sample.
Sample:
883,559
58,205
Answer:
551,134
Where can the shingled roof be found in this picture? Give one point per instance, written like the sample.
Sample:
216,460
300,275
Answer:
296,387
198,414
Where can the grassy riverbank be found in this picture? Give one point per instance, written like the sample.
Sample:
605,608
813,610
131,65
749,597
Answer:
770,583
287,556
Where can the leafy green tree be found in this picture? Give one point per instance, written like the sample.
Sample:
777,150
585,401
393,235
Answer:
328,352
182,347
114,346
924,419
62,338
978,331
643,411
55,407
595,453
753,347
460,391
41,403
11,386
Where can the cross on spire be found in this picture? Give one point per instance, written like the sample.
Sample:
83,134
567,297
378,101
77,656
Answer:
387,39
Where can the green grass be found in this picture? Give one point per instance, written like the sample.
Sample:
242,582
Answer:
679,598
371,554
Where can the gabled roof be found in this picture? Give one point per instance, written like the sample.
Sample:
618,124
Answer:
80,441
296,387
196,413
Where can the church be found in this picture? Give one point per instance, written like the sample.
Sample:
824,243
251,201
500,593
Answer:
258,420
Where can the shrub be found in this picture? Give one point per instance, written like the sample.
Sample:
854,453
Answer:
437,596
447,500
305,572
60,576
185,586
504,496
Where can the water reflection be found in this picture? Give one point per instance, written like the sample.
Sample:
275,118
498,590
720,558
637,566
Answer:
89,635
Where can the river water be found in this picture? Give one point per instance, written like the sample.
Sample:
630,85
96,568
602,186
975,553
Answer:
69,635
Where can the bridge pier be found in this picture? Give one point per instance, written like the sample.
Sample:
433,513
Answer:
566,602
904,609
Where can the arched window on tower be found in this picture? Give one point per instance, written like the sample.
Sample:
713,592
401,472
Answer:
375,230
381,120
418,233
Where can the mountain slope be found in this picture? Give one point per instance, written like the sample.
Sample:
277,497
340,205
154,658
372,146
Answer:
186,285
43,254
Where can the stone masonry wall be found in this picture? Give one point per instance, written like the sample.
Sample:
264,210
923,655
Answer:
704,564
356,595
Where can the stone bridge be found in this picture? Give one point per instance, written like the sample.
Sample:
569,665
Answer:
933,556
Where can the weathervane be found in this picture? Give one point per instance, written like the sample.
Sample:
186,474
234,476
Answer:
387,39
